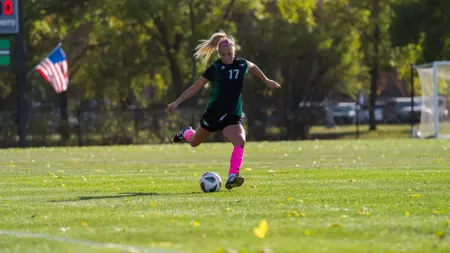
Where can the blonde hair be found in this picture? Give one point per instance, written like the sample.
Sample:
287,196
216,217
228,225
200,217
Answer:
207,47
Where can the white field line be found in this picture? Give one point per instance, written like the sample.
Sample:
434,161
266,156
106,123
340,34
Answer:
126,248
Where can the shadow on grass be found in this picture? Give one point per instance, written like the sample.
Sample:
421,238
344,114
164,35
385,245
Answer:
124,195
384,131
334,135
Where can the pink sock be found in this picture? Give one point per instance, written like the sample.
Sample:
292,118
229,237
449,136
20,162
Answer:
236,160
188,135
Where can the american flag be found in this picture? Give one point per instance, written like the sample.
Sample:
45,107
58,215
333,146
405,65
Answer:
55,70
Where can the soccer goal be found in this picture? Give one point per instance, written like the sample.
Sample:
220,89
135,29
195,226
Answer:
434,117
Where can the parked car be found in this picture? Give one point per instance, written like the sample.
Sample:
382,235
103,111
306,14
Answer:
398,110
346,112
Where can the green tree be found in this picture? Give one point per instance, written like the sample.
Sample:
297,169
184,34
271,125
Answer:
140,51
424,23
316,56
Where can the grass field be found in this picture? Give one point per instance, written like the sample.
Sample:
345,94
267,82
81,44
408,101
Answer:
342,132
316,196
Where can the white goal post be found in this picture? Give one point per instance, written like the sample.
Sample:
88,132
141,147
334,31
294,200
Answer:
435,84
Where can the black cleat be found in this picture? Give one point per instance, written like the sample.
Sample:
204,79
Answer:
234,181
179,137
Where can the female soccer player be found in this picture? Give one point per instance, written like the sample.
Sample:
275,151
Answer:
224,108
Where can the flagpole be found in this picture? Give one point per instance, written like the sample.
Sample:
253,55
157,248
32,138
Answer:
54,49
21,80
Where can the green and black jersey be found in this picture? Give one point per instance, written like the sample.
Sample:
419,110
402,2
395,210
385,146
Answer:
227,82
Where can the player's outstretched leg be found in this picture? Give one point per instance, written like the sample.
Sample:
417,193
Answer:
184,135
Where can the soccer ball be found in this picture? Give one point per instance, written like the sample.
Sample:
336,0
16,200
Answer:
210,182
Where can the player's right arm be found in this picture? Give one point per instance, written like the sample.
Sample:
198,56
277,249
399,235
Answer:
188,93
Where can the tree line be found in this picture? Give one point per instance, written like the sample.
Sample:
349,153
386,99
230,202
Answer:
140,52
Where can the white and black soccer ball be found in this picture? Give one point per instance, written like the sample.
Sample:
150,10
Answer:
210,182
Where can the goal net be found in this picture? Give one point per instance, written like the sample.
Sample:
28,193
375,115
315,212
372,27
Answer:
434,83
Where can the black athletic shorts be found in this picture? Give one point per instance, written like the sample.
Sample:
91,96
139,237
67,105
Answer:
214,121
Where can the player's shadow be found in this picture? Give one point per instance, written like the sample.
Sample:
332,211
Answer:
121,195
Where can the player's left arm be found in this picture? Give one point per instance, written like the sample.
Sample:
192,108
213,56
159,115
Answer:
253,68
